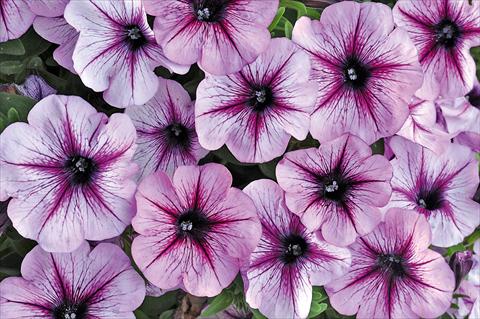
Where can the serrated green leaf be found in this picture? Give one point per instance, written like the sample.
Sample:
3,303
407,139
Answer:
218,304
277,18
11,67
316,309
12,47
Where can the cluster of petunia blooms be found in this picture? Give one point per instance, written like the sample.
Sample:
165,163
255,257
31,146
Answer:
357,223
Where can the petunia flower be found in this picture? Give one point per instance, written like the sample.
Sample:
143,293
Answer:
443,32
48,8
35,87
100,283
337,188
367,71
116,50
166,130
461,118
195,230
69,172
222,36
289,259
58,31
439,186
15,19
256,111
421,126
393,273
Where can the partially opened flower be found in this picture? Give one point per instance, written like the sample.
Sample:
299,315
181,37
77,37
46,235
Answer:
421,126
35,87
337,188
289,259
393,273
69,172
222,36
116,51
443,32
58,31
195,230
439,186
367,71
100,283
15,19
256,111
166,130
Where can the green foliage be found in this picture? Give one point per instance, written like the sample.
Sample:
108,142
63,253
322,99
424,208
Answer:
219,303
13,108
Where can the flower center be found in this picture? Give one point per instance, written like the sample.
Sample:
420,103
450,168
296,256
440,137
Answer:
80,169
430,200
355,73
392,263
177,135
209,10
446,33
261,98
333,188
68,310
294,246
134,37
193,224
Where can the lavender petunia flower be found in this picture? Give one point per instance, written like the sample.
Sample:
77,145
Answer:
367,71
337,188
256,111
222,36
289,259
15,19
195,230
393,273
116,50
69,172
421,126
58,31
100,283
48,8
439,186
166,130
35,87
443,32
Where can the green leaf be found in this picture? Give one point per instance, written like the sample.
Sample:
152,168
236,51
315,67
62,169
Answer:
33,43
313,14
295,5
378,147
11,67
288,28
268,169
316,309
140,314
257,314
167,314
12,115
218,304
12,47
277,18
154,306
318,295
